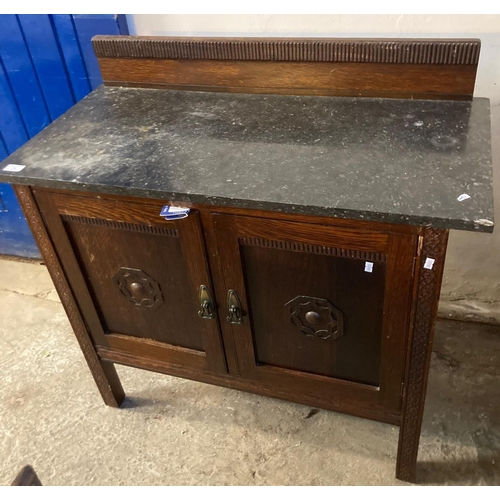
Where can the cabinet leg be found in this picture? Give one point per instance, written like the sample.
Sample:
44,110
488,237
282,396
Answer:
104,372
428,285
110,386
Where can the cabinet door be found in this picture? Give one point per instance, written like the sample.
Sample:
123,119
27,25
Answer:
324,309
137,278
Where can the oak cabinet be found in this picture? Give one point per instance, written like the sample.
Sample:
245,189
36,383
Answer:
136,277
324,308
318,308
322,176
332,313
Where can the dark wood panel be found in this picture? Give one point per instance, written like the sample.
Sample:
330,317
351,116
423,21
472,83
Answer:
138,215
114,259
194,250
71,267
314,385
220,291
274,277
302,78
295,246
226,237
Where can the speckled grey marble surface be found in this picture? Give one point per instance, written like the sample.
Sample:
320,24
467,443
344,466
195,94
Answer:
402,161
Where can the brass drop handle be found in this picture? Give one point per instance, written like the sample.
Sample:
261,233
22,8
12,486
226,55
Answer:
234,314
206,304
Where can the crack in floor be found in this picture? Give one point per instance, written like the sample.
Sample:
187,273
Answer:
40,295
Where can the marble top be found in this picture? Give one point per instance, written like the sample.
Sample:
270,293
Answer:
420,162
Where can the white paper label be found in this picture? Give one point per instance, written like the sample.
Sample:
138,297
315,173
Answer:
368,267
13,168
428,263
463,197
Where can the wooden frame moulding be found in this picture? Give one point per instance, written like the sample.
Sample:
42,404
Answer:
402,68
104,372
427,287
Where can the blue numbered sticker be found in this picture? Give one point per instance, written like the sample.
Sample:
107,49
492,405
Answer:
173,213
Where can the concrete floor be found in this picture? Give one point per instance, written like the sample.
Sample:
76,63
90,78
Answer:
176,432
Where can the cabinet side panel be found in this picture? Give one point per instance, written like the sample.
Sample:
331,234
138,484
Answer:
104,373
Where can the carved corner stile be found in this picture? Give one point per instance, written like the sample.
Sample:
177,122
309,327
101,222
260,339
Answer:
419,350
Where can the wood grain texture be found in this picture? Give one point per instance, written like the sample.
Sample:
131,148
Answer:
104,373
285,392
419,350
310,248
152,349
141,228
403,68
420,81
401,252
367,50
220,291
115,211
274,277
102,253
262,256
194,250
101,236
72,201
297,234
256,295
263,233
60,239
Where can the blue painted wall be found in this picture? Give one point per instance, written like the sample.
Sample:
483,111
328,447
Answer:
47,64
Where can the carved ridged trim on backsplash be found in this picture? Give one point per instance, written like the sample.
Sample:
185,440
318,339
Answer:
141,228
397,51
318,249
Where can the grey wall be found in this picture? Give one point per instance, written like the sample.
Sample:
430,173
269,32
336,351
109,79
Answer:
471,287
